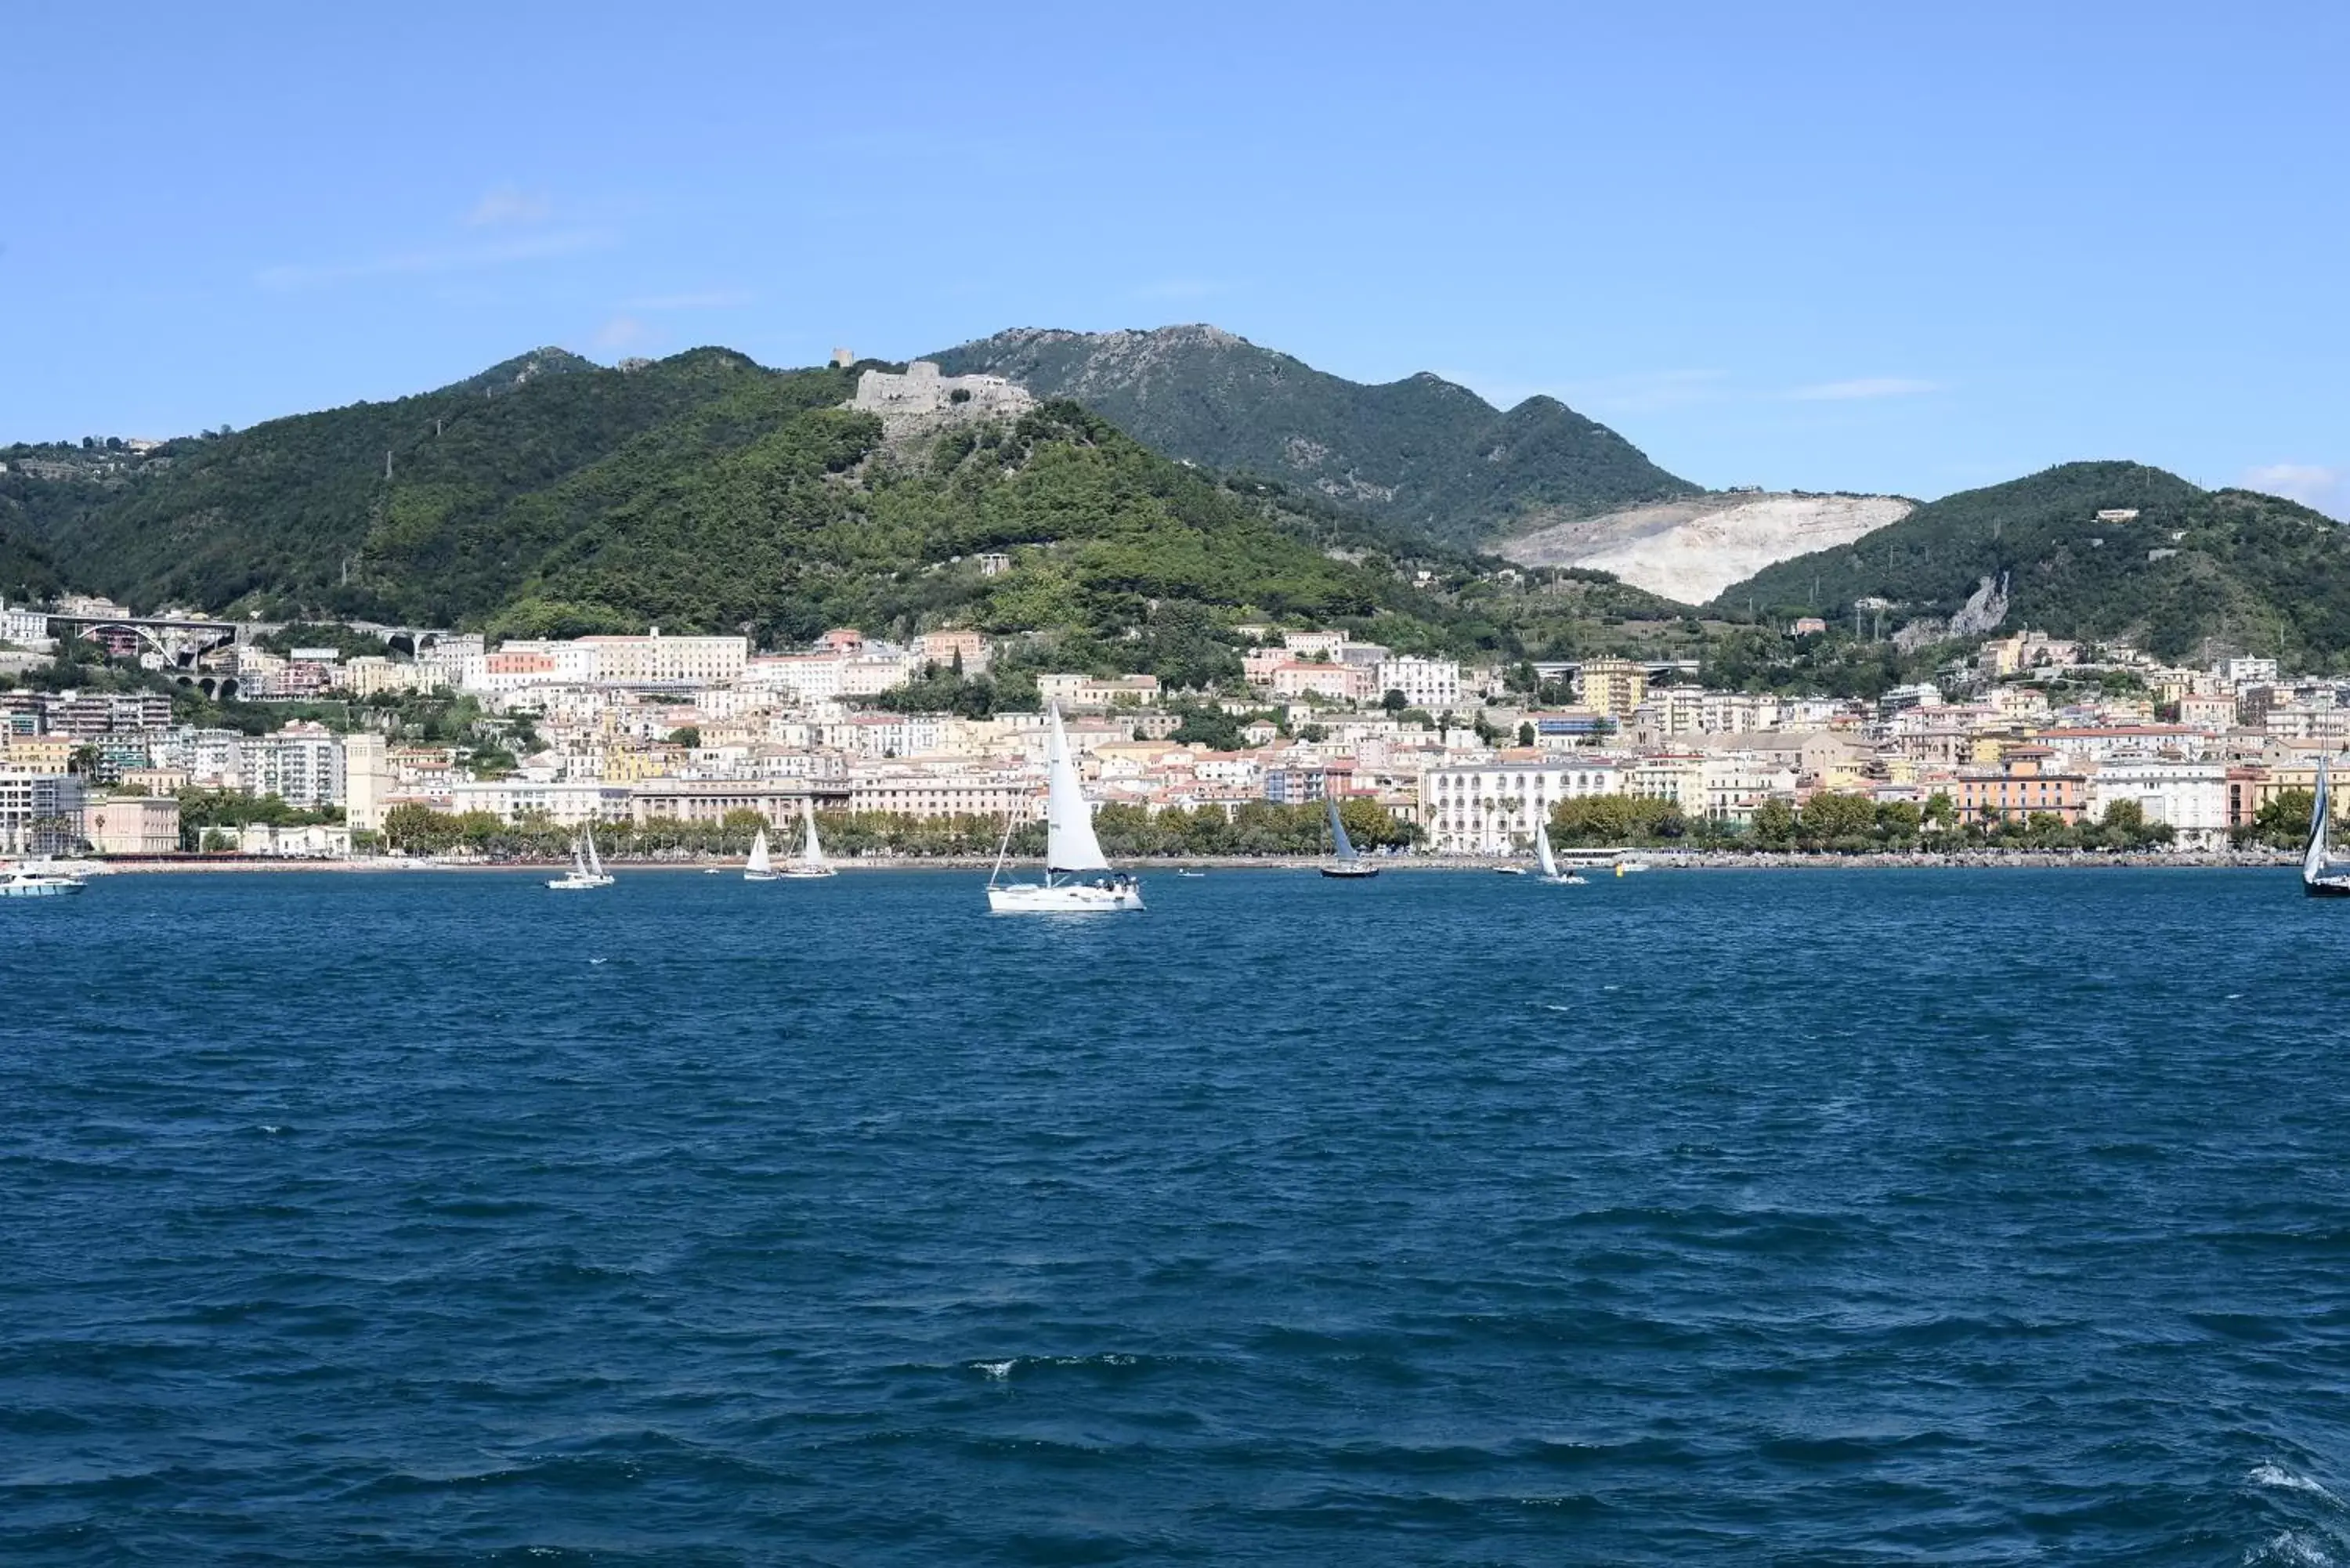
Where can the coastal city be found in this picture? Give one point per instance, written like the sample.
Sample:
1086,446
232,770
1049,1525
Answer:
2031,740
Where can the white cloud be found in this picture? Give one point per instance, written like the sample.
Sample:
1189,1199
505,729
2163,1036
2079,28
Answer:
2311,483
506,204
1866,386
445,259
621,334
706,299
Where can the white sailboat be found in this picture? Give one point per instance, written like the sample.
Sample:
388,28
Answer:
759,867
811,861
586,866
2322,875
1546,861
1071,851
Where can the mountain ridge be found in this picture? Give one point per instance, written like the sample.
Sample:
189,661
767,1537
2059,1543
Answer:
1421,449
2109,549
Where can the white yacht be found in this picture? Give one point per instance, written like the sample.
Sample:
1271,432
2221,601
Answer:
1077,876
810,861
36,882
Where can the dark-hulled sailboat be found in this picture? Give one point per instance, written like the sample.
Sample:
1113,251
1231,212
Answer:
1343,861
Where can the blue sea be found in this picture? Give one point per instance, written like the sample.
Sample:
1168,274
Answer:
1821,1218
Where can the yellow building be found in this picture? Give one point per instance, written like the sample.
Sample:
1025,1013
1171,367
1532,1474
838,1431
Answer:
631,764
38,754
1613,686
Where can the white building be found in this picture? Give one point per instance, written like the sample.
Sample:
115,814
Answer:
40,813
1491,808
301,765
568,804
2191,797
668,662
25,628
1430,683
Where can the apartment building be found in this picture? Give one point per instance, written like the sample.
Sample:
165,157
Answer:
302,764
1491,808
1433,684
40,813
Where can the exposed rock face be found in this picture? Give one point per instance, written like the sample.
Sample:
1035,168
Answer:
1691,550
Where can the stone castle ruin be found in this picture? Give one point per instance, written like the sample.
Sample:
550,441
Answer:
922,391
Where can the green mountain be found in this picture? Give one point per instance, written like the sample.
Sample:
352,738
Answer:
2188,566
1420,452
25,570
704,492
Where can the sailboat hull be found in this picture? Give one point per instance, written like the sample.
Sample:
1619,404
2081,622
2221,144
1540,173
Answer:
1066,899
800,873
1350,871
2332,882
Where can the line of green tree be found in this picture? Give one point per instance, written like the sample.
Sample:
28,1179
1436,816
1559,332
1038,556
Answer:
1126,833
1840,823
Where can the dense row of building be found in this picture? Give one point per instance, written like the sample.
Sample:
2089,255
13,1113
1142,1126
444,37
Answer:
690,729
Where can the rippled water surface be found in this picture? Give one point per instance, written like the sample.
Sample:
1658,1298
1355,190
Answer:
1822,1218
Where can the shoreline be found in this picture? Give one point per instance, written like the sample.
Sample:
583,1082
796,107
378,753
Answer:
1658,860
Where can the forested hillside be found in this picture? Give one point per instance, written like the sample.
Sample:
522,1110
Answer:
705,492
1420,452
2227,566
25,570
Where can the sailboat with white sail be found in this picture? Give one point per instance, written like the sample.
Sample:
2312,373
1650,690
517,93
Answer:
1547,861
1344,861
1077,876
810,861
2322,875
586,866
761,865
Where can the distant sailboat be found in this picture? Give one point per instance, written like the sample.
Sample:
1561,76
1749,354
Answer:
1071,850
586,870
811,861
2323,877
1344,861
1549,862
759,867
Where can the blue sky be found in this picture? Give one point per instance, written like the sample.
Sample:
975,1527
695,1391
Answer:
1875,246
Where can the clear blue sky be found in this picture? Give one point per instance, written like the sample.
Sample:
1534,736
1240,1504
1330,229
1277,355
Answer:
1879,246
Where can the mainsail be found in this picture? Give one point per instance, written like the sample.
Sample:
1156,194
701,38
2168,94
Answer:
811,852
594,861
1069,841
2313,859
1340,845
1542,857
759,862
